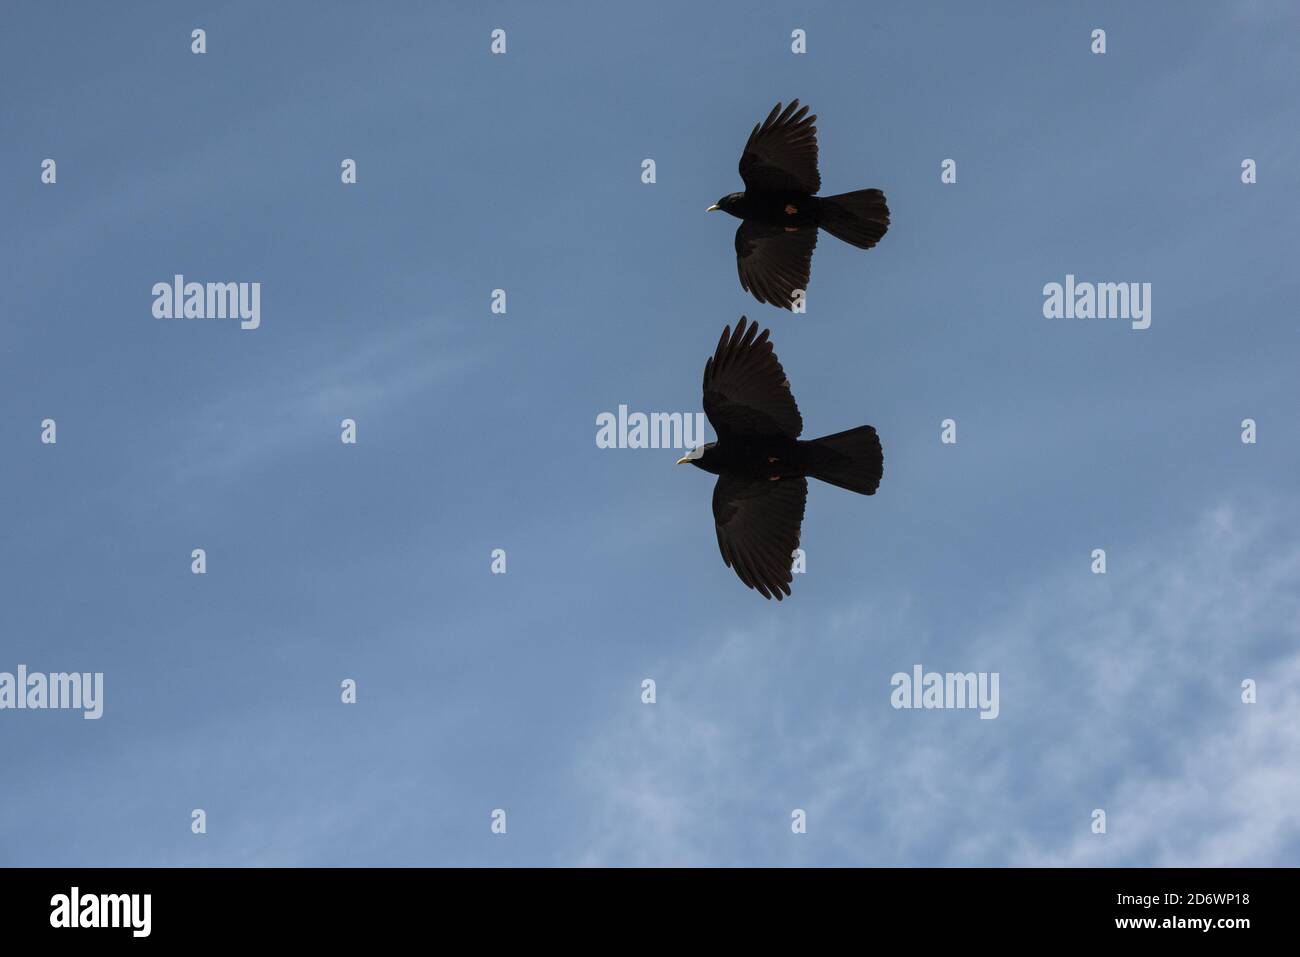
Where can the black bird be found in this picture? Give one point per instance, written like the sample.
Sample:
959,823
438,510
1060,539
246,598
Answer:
762,465
780,213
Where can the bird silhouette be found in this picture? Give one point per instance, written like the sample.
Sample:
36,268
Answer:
762,465
780,213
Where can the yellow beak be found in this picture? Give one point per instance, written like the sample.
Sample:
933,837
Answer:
712,208
683,460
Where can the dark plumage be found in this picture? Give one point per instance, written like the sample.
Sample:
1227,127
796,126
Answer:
781,214
762,465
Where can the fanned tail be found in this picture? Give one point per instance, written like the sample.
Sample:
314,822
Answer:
860,218
852,460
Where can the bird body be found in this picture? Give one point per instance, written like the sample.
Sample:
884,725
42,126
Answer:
783,208
781,213
758,457
768,458
762,465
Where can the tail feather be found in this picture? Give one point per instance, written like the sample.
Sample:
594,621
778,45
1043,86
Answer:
860,218
852,460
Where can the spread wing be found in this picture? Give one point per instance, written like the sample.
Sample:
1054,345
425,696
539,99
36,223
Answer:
757,522
745,388
773,262
781,153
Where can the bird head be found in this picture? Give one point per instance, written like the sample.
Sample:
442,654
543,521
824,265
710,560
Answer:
729,204
696,455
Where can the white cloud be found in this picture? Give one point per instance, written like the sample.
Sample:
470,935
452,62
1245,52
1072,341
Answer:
1120,692
261,418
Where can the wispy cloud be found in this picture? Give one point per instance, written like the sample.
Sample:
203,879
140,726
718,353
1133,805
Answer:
258,419
1119,692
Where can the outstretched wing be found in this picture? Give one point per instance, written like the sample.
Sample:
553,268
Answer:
758,522
745,388
781,153
774,261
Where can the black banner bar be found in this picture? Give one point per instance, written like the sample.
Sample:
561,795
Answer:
334,905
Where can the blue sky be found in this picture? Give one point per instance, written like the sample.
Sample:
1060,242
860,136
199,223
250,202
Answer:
476,431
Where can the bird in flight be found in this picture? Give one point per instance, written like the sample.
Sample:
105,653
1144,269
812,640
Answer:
762,465
780,213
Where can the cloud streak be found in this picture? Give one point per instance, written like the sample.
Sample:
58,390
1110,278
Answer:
1119,692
